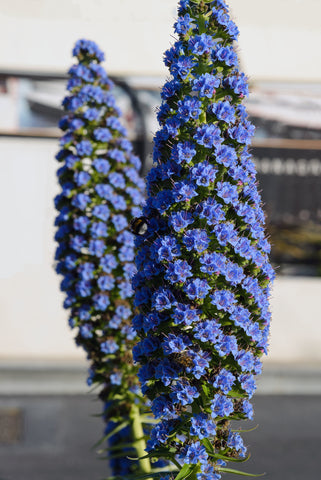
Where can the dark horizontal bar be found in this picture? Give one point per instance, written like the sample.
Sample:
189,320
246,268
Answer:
286,144
32,133
33,75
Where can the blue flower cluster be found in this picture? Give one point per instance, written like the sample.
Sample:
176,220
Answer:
203,279
101,192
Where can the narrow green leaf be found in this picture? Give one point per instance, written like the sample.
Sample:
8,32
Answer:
201,24
139,476
119,446
229,459
236,393
207,444
149,420
116,455
186,471
117,429
238,472
246,431
164,453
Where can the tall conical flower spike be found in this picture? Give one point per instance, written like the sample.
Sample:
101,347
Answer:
101,193
203,278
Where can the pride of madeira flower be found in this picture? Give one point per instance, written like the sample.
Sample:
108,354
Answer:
203,277
101,193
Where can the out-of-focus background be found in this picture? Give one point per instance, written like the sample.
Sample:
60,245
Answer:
45,431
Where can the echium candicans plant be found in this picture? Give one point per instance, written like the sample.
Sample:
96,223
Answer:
101,192
203,277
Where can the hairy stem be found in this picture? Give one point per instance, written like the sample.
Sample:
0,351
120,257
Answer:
138,439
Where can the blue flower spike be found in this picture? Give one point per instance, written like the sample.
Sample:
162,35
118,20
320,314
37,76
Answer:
203,280
101,193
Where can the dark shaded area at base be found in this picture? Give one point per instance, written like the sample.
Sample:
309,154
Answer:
58,433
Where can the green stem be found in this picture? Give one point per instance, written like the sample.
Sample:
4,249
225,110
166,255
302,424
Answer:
138,439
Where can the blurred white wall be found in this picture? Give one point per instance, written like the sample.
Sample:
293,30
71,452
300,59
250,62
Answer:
32,321
279,38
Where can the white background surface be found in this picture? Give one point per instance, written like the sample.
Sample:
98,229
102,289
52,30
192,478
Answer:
279,39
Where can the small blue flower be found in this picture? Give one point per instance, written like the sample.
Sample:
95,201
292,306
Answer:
106,283
84,148
109,347
182,66
105,191
189,109
183,24
206,85
242,133
196,239
101,165
108,263
92,114
102,134
225,234
223,300
86,331
86,270
98,229
235,441
245,360
204,174
207,331
208,135
200,44
117,155
193,454
119,222
97,247
117,180
212,211
81,200
185,314
175,344
223,111
224,381
183,392
221,406
180,220
202,426
248,384
247,408
201,364
226,155
77,243
89,47
163,406
116,378
102,212
101,302
183,152
163,299
226,55
178,271
81,178
196,289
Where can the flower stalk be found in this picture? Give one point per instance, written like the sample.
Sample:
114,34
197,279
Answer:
139,441
203,279
101,192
